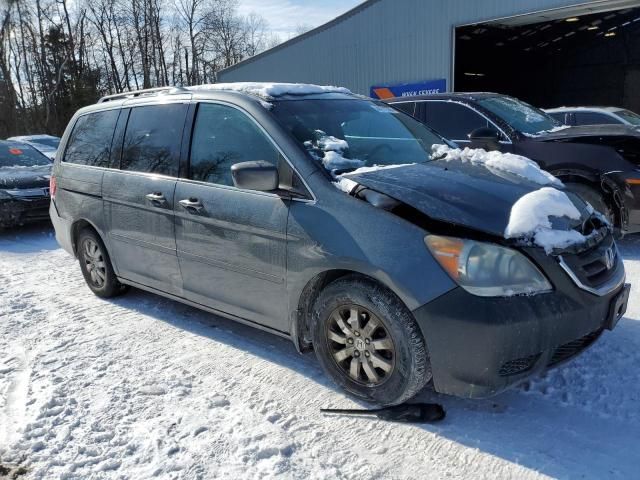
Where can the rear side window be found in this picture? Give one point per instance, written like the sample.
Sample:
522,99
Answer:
594,118
452,120
153,138
223,136
90,141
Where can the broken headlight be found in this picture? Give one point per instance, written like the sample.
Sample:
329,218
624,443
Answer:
486,269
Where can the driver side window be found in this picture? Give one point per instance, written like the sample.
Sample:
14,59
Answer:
223,136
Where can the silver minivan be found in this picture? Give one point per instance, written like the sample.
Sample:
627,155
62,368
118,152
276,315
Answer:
325,217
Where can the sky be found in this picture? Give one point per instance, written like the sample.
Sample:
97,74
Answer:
285,16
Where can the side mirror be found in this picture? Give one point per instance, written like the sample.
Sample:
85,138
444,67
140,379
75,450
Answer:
259,175
487,138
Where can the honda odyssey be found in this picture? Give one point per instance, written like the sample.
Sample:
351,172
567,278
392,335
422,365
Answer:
342,224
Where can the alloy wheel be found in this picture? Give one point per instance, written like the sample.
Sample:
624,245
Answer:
360,345
94,263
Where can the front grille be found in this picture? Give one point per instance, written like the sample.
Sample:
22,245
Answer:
571,349
596,265
519,365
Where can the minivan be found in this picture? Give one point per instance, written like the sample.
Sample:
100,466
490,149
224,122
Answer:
338,222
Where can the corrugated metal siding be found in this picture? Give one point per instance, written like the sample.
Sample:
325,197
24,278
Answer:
383,41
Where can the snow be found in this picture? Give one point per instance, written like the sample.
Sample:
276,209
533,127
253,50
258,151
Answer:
143,387
505,162
545,132
530,217
271,91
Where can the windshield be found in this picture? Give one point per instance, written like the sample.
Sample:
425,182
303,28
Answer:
519,115
352,133
631,117
21,155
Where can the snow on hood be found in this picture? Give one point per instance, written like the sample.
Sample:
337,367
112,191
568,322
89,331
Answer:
530,219
504,162
270,91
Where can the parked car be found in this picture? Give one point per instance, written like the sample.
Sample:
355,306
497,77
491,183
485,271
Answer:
595,116
600,163
24,184
251,201
45,144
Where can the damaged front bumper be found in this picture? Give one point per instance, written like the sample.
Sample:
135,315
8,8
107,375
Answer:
19,211
480,346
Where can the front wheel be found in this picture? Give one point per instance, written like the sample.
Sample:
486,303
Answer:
368,342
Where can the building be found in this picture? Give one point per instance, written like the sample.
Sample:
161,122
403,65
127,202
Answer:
548,52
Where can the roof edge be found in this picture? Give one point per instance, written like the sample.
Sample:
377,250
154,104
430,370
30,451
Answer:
325,26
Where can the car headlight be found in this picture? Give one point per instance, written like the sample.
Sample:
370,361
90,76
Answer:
4,195
486,269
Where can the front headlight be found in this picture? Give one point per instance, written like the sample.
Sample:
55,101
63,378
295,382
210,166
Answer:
486,269
4,195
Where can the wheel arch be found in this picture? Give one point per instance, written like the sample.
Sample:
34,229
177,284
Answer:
79,225
300,324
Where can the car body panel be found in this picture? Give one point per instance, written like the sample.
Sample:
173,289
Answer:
452,191
141,233
232,251
254,256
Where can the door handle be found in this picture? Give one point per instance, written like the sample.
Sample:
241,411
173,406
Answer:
192,205
156,198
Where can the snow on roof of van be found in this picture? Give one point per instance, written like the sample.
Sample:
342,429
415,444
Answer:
270,91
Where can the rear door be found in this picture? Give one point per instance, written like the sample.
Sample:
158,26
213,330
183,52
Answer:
139,197
231,243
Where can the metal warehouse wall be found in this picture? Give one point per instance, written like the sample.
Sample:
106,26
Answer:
381,41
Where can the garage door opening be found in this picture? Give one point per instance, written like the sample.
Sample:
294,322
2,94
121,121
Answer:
570,57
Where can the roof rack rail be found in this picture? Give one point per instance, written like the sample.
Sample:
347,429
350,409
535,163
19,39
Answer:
139,93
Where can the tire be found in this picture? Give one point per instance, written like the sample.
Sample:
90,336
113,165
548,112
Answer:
595,198
384,358
96,266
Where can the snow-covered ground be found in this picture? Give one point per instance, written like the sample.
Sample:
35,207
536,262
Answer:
143,387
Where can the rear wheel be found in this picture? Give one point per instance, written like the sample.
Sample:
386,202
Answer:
595,198
96,266
368,342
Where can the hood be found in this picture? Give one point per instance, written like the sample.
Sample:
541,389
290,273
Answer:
591,131
457,192
25,177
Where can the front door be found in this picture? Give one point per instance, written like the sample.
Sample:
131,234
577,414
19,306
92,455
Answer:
139,198
231,243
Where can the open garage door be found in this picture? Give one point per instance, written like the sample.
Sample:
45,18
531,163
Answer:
583,55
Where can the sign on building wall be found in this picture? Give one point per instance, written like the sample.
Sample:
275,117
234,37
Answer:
409,89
